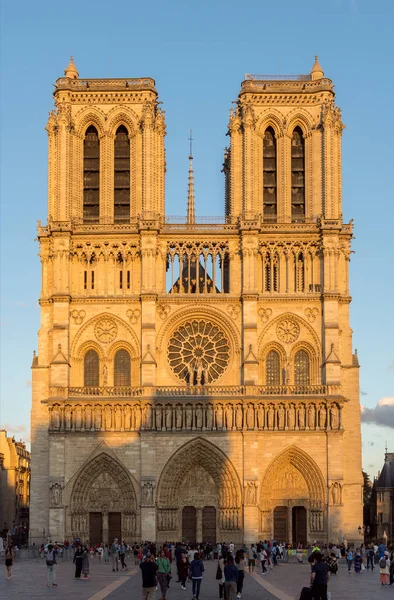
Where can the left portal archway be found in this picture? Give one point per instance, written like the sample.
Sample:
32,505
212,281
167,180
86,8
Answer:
103,502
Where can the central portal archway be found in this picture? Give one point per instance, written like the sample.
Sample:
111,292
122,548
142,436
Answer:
292,501
199,495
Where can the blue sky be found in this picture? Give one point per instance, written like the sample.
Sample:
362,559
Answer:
198,53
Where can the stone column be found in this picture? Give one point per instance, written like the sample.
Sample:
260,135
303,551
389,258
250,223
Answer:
199,525
105,527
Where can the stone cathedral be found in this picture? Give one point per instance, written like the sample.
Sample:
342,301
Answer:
195,377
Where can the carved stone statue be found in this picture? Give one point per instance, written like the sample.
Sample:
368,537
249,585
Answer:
56,417
200,371
148,493
189,417
127,417
281,417
251,493
168,416
199,416
78,417
229,417
210,415
238,416
250,417
260,416
97,417
336,493
105,375
322,417
178,416
158,416
67,417
311,417
334,417
137,417
56,494
219,416
270,417
108,417
148,416
291,417
301,416
88,417
118,418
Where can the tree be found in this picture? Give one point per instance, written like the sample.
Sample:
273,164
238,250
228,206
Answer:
367,488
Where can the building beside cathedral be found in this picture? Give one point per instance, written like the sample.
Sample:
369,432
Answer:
195,378
381,504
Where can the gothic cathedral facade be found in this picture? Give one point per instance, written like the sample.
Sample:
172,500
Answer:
195,378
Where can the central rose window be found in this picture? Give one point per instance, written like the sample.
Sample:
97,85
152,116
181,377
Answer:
198,352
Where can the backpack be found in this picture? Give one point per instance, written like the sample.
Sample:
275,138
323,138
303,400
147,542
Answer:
382,563
50,558
306,594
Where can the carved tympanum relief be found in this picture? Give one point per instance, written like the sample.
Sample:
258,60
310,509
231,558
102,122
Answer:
198,352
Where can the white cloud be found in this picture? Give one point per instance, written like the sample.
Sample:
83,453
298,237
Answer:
382,414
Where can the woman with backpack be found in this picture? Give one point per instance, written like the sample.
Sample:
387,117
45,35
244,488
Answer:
8,559
384,568
51,566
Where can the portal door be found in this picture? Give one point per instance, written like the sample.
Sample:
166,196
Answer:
209,524
189,524
95,528
114,526
299,525
280,523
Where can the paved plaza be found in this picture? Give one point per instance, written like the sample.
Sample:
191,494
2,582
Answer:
283,583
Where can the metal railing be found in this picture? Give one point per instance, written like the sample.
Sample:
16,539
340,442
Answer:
259,77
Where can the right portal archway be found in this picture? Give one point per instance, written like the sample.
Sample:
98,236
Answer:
292,499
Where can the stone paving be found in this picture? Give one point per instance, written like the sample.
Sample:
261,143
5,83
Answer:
283,583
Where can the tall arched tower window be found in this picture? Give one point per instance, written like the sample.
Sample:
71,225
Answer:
122,370
272,368
91,369
297,176
91,176
301,368
269,176
122,176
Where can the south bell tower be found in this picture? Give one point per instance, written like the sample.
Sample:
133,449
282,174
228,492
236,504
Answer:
170,349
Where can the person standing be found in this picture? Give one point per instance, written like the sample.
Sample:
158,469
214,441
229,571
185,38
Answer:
370,557
183,570
358,561
122,555
149,577
163,572
384,568
78,558
239,563
115,555
319,577
349,560
220,575
8,559
85,562
196,571
230,578
106,553
51,566
251,558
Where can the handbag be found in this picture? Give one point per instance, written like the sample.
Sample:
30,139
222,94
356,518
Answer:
219,572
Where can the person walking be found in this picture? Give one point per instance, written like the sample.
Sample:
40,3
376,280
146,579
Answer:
239,563
122,555
163,572
149,577
319,577
220,575
85,562
230,578
349,560
51,566
391,568
77,560
115,555
384,568
183,570
370,558
358,561
251,558
8,560
196,571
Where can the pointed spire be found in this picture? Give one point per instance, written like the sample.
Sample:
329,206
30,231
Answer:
71,70
317,72
191,217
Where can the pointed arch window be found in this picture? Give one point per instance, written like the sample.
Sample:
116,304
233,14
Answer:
272,368
91,176
91,369
301,368
122,369
269,176
297,176
122,176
